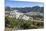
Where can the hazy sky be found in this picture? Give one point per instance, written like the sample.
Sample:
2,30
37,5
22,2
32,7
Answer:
12,3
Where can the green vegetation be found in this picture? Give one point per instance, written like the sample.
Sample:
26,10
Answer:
21,24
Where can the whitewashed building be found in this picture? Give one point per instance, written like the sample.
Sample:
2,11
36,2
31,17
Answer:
7,13
25,17
15,14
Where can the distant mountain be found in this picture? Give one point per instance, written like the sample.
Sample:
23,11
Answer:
27,9
8,9
31,9
38,9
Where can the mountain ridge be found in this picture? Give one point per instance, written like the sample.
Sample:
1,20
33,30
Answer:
27,9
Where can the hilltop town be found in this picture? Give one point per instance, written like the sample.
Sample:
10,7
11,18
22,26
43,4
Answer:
18,15
17,19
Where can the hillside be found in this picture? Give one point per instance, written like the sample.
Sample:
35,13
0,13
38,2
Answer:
27,9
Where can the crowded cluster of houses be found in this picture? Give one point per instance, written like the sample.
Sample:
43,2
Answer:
18,15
